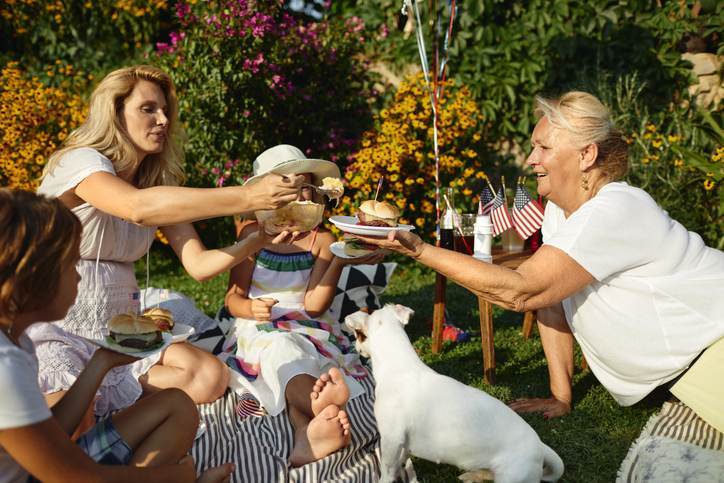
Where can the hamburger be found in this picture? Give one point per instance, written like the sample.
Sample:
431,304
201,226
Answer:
377,213
161,317
135,333
298,216
354,247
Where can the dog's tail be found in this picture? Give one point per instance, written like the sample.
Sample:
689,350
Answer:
552,464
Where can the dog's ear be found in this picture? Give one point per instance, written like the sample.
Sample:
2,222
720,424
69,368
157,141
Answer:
403,313
356,320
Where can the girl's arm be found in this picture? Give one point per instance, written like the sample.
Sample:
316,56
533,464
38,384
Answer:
323,280
71,408
171,205
47,453
202,263
237,296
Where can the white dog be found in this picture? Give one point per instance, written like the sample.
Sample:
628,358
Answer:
438,418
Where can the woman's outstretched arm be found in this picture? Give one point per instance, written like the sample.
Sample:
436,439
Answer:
170,205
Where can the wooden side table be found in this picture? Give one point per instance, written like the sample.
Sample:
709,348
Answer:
507,259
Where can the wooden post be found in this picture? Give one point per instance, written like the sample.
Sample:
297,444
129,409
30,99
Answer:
438,314
486,336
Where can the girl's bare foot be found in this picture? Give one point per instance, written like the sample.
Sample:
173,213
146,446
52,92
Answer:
330,388
217,474
328,432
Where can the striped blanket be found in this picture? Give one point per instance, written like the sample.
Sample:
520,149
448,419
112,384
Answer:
260,445
675,445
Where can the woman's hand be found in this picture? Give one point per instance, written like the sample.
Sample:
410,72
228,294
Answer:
369,259
261,308
550,407
400,241
273,191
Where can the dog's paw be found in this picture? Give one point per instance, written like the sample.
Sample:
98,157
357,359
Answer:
476,476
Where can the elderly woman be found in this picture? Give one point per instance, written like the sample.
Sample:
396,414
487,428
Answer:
643,296
120,172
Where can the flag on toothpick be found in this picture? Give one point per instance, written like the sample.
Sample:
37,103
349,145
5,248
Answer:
499,213
527,213
486,201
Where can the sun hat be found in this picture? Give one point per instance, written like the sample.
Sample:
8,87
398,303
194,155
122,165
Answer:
286,159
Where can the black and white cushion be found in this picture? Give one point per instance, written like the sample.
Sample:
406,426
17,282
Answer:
359,287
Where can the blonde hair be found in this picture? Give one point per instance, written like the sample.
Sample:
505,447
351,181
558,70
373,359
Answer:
104,131
588,121
40,238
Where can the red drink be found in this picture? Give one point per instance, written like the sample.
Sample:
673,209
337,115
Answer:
460,246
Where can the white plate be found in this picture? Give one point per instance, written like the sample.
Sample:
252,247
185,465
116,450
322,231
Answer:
167,341
181,332
348,224
337,249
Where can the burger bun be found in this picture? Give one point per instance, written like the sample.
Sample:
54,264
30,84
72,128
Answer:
378,213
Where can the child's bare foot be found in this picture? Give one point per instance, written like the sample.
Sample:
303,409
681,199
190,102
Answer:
328,432
330,388
217,474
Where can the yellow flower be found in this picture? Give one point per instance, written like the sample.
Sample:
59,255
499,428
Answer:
709,184
678,162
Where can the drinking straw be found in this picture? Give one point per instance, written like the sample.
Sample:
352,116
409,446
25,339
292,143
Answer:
379,185
457,225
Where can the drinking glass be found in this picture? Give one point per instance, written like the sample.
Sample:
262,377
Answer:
467,226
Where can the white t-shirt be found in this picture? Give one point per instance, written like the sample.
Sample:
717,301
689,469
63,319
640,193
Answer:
658,296
21,402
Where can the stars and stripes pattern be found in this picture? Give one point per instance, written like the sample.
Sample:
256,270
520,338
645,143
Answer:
486,201
247,406
500,214
527,213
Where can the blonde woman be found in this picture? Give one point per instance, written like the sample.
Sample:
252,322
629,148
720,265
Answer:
643,296
120,172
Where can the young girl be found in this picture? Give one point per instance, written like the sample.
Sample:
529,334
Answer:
38,282
281,349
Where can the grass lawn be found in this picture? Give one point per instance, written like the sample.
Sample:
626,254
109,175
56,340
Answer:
592,440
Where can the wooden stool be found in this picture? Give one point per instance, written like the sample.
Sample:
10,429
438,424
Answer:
510,260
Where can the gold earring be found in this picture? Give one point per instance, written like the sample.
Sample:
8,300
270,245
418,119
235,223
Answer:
584,182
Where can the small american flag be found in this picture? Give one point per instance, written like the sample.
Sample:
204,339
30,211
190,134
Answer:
527,213
486,201
248,406
500,214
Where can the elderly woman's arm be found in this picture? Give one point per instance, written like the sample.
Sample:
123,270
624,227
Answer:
545,279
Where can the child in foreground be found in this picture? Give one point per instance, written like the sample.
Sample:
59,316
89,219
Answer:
38,282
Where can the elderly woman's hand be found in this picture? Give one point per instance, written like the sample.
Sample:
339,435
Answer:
274,191
400,241
370,259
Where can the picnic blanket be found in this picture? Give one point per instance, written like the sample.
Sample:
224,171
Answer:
238,431
675,445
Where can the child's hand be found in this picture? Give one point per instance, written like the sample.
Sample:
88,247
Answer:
261,308
110,359
261,237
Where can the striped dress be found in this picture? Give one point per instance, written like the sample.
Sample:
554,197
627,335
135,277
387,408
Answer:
265,356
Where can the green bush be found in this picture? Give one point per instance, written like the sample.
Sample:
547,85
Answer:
509,51
250,75
55,38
